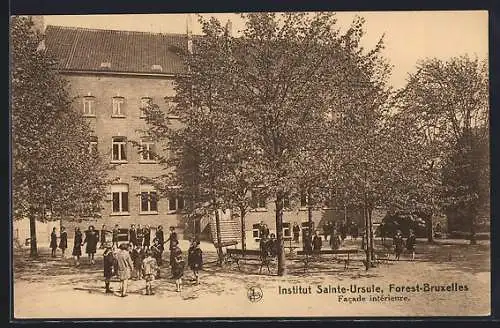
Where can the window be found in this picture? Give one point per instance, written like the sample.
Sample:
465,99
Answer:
286,202
89,106
119,149
175,203
145,103
256,232
258,199
118,107
303,199
287,232
147,151
93,146
149,200
120,198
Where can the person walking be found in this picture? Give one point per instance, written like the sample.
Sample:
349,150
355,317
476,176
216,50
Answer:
53,242
125,267
91,239
177,266
156,254
140,235
63,241
132,235
195,258
149,267
161,241
77,246
317,243
296,232
146,231
173,242
115,232
410,243
108,260
398,244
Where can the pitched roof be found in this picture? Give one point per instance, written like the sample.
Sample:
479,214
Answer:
84,49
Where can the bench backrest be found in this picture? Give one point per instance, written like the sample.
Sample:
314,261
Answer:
234,251
330,251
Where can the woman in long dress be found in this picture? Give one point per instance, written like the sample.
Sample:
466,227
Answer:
63,241
53,242
91,239
77,246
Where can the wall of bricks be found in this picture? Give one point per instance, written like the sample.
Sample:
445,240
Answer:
132,88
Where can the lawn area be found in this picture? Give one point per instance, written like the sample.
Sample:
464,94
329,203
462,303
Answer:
54,288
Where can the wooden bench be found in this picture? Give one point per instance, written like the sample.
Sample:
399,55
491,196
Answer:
311,256
250,254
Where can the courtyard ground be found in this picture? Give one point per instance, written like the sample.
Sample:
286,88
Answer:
54,288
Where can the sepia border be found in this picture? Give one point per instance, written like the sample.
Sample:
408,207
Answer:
19,7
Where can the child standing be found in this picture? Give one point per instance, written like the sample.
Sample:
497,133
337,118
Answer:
53,242
150,268
63,241
109,261
156,254
178,265
137,259
398,244
77,246
195,258
125,266
410,244
114,237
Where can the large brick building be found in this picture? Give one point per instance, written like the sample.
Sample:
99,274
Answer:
112,74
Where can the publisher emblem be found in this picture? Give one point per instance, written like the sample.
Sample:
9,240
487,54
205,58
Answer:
254,294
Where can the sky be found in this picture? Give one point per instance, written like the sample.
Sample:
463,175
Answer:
409,35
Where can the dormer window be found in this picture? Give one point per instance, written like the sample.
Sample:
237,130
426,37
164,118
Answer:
118,107
89,106
105,65
156,68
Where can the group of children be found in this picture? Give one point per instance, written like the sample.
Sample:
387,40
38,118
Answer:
399,244
137,262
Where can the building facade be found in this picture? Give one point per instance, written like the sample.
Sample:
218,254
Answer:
112,75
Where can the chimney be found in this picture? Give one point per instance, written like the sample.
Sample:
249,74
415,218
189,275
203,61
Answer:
229,27
189,33
38,23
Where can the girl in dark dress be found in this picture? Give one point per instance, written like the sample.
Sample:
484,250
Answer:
178,266
317,243
77,248
63,241
161,243
140,235
147,236
53,242
114,237
91,239
132,235
109,263
195,258
398,244
410,244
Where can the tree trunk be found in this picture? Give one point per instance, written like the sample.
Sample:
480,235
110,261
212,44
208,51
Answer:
430,229
219,242
279,234
33,243
372,248
473,240
243,232
309,213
